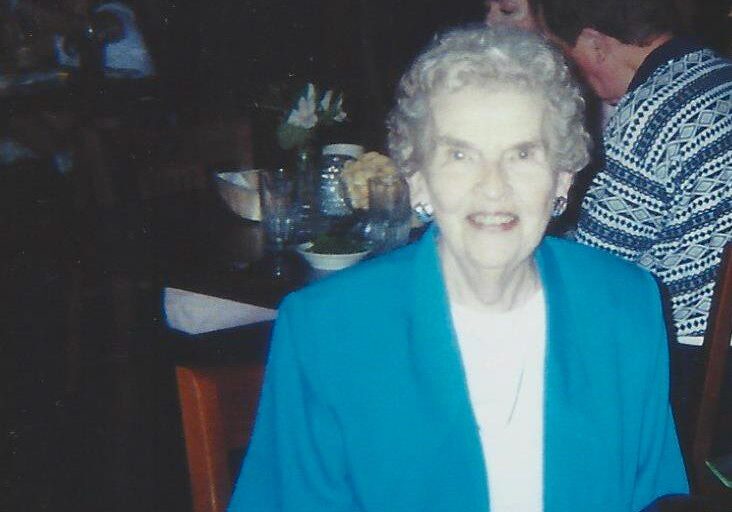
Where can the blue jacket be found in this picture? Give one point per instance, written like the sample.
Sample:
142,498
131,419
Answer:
365,405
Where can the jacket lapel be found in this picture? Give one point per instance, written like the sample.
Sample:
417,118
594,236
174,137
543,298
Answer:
436,355
566,378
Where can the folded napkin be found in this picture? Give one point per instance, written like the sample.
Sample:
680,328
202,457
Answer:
195,313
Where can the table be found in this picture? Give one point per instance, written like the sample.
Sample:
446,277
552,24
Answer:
188,241
219,254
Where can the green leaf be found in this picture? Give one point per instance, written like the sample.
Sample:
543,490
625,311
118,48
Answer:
333,244
290,136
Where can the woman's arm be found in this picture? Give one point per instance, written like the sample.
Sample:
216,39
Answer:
295,461
660,468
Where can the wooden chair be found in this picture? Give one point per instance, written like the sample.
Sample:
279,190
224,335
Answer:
218,405
716,347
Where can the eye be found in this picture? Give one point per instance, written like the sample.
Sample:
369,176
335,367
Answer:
524,152
457,154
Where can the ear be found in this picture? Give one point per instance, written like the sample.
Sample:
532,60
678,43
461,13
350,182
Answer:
594,44
418,192
564,182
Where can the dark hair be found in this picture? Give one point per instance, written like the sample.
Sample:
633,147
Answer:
628,21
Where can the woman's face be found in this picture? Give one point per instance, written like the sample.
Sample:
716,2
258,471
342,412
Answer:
488,178
515,13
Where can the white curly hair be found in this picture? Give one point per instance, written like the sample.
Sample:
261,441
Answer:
492,58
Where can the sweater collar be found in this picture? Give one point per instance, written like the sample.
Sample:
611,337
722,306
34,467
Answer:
672,49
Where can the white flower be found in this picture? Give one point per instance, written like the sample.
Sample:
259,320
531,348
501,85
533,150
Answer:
340,114
304,115
302,121
325,102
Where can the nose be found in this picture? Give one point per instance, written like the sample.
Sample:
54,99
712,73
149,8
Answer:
493,182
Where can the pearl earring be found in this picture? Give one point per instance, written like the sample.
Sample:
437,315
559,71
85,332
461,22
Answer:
424,212
560,206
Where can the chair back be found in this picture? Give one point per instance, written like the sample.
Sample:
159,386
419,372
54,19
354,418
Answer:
218,406
715,349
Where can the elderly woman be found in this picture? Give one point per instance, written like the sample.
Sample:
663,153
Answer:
484,367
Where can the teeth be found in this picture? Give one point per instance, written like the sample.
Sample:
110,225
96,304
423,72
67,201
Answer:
492,219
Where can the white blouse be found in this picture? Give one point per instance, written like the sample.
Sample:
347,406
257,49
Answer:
503,358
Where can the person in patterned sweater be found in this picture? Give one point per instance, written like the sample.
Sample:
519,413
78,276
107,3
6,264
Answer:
663,197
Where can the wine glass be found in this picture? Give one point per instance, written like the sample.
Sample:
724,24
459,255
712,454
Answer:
389,213
279,216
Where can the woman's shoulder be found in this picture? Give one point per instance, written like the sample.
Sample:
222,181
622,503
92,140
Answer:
609,299
597,274
594,275
589,260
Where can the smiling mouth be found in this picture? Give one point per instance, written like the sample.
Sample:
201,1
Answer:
493,221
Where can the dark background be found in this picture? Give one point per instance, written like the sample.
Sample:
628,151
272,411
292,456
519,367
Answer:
219,54
110,440
223,54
